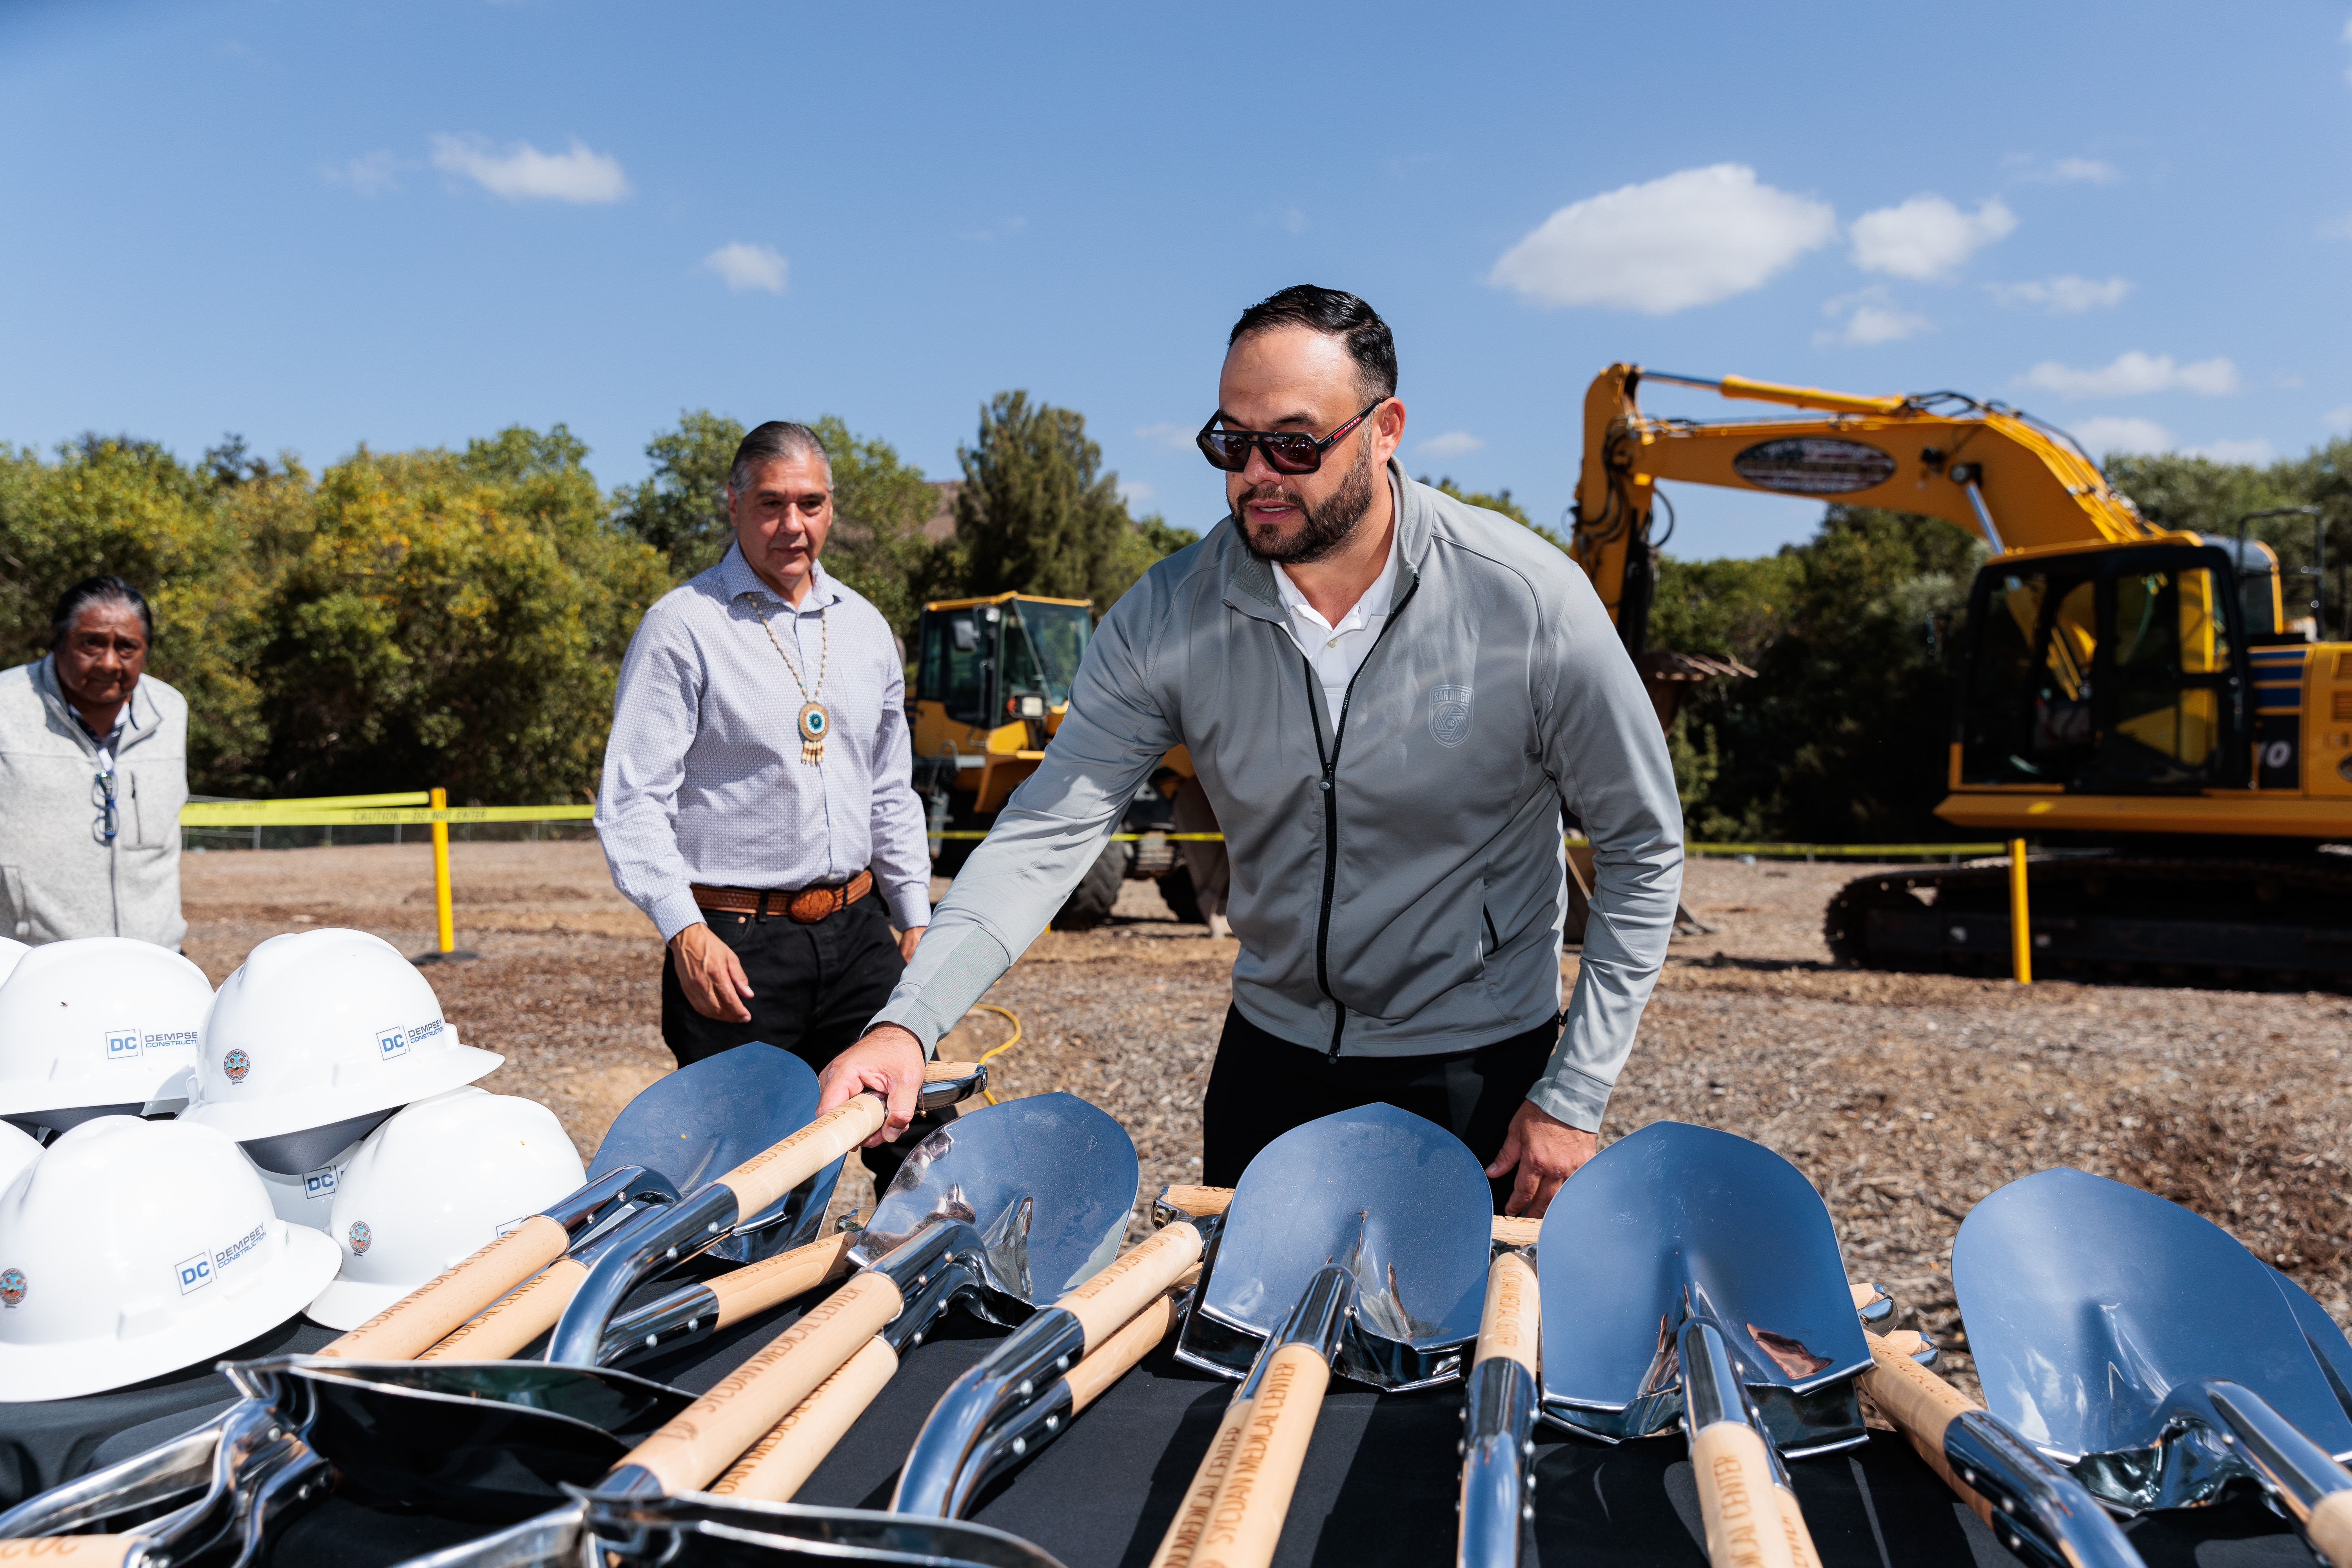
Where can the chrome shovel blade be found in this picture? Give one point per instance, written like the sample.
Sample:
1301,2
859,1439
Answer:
2100,1315
1676,1221
1396,1200
697,1531
2326,1342
707,1117
1048,1183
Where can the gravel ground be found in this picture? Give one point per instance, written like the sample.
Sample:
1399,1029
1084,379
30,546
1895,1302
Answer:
1905,1099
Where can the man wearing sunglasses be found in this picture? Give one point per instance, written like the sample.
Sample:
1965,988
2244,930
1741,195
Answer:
1390,698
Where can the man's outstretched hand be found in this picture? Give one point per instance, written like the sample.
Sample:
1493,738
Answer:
1547,1152
889,1061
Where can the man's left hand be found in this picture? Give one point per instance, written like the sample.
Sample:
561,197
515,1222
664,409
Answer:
907,940
1547,1152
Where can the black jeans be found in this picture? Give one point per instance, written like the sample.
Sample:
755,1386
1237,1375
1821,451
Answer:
813,989
1262,1087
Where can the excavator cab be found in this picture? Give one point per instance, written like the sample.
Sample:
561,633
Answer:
2115,671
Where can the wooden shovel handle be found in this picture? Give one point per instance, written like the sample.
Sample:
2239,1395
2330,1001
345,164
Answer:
1507,1324
1922,1406
2330,1526
1738,1498
1792,1525
1184,1537
1245,1522
703,1439
501,1329
756,1287
417,1320
776,1170
1117,1355
80,1550
939,1072
783,1461
1511,1230
1133,1279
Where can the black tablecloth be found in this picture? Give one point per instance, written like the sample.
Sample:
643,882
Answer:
1378,1485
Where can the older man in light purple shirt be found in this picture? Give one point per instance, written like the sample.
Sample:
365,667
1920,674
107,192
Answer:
756,801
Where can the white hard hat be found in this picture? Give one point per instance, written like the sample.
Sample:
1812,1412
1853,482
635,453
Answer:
433,1186
98,1025
11,949
317,1037
18,1149
303,1198
131,1248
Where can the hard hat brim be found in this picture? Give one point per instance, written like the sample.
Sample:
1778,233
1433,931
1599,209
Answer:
347,1303
67,1369
404,1083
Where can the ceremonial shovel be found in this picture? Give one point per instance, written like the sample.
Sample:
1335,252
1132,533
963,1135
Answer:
1356,1243
1033,1189
708,1115
1692,1278
2150,1353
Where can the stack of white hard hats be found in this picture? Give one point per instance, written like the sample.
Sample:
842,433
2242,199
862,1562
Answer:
433,1185
97,1026
131,1248
316,1039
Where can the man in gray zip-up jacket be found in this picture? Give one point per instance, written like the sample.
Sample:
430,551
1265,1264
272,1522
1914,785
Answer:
1399,882
70,865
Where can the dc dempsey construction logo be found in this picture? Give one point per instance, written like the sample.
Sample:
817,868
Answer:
12,1288
196,1273
122,1044
235,1065
361,1238
320,1184
391,1042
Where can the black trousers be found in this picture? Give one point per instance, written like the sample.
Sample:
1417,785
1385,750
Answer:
813,989
1262,1087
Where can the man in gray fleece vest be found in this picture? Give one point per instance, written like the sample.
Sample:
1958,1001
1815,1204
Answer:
1390,698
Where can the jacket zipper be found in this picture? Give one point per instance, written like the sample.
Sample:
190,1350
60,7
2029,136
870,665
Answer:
1330,762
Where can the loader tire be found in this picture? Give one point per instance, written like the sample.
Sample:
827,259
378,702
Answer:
1176,892
1089,903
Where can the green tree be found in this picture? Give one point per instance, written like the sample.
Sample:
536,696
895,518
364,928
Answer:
679,508
1038,514
880,503
452,618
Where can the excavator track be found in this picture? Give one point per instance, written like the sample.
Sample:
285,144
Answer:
2100,916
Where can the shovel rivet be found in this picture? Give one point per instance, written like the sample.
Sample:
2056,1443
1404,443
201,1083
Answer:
1063,1364
1462,1445
1028,1388
1020,1446
2015,1542
692,1324
916,1340
710,1229
1528,1513
1968,1475
2009,1505
1052,1423
652,1340
672,1254
276,1433
1529,1448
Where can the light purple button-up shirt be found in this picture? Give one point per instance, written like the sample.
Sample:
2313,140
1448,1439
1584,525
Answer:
703,776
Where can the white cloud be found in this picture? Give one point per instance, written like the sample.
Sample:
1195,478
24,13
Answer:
2088,171
749,266
1927,238
1135,492
2255,450
2065,295
2338,418
1295,221
1871,317
2108,434
1180,437
1690,239
2134,373
370,175
1450,444
522,172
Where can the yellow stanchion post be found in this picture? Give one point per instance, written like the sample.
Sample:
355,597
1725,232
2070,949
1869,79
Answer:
2020,928
441,910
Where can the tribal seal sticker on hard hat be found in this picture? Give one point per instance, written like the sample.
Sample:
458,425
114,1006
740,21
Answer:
11,1287
361,1237
235,1065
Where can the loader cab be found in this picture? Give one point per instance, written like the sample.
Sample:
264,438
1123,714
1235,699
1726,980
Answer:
2113,671
991,680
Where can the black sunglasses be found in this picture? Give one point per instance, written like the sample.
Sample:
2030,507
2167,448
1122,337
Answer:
1286,451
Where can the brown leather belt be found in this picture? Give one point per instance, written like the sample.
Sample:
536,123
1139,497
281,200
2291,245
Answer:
806,906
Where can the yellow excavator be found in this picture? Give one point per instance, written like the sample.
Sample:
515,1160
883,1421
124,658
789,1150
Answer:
991,681
2131,696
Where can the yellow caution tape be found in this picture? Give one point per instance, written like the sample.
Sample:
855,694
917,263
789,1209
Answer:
206,814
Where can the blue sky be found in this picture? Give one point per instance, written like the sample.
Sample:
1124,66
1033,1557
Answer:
324,224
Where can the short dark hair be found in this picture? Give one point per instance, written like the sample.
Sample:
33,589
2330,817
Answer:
777,440
92,591
1336,314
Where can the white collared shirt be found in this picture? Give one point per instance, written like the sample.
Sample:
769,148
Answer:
1337,652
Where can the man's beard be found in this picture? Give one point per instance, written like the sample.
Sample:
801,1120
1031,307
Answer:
1322,528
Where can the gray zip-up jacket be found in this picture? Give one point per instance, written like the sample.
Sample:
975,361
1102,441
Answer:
1398,884
58,876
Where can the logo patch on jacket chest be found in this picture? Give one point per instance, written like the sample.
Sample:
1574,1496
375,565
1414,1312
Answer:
1450,710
